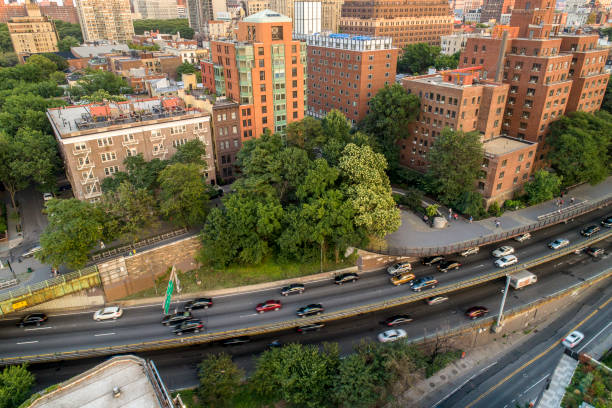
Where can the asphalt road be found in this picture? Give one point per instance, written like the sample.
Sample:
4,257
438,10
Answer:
73,331
178,367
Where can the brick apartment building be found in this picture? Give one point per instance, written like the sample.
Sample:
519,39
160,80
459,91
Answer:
67,12
95,139
226,128
493,10
32,34
264,70
345,72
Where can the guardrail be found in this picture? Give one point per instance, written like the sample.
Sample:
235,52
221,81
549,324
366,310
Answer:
554,217
126,248
8,283
289,324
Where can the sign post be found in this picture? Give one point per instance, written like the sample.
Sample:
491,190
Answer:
169,291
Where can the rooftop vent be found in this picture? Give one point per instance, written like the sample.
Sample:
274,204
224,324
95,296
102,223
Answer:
116,392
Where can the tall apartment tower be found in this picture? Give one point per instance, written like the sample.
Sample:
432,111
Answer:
200,12
156,9
406,21
307,17
493,9
331,11
32,34
284,7
264,70
109,20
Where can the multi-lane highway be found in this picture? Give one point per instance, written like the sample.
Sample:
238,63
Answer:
78,331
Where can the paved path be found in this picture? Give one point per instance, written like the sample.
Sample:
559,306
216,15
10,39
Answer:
558,383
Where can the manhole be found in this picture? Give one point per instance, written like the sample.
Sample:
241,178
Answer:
432,385
443,377
455,371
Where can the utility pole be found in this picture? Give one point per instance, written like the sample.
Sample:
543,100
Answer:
501,306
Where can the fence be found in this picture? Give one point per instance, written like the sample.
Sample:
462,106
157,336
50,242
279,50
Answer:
145,242
289,324
544,220
7,283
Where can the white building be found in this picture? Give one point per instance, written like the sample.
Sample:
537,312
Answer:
453,43
156,9
307,17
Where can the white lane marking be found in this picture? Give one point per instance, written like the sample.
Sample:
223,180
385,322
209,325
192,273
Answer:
539,381
465,382
480,266
28,342
39,328
594,337
103,334
264,290
252,314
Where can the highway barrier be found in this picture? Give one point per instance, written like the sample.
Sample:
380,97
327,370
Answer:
289,324
115,252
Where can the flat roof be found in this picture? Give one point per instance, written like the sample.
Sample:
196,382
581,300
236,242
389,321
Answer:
96,50
504,145
267,16
437,80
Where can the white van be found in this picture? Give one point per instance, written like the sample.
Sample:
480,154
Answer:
521,279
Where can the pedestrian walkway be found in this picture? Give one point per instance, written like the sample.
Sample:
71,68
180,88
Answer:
558,383
414,233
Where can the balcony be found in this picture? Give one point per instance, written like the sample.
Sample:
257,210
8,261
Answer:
89,180
130,142
87,165
76,152
159,152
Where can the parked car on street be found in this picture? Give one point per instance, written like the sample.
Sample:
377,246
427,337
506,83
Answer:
293,288
32,319
189,326
445,266
310,310
310,327
590,230
402,278
199,303
391,335
559,243
573,339
436,299
397,319
470,251
346,277
523,237
431,260
503,251
107,313
268,305
399,268
476,312
506,261
176,318
47,196
426,282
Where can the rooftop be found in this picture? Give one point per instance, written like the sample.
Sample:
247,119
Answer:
504,145
97,50
267,16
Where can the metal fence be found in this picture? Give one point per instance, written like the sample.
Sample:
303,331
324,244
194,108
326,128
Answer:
289,324
111,253
7,283
544,220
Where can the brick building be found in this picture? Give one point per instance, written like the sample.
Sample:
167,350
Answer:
255,6
494,9
8,11
95,139
32,34
67,12
226,128
345,72
109,20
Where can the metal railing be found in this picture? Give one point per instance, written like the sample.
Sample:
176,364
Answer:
289,324
111,253
8,283
553,217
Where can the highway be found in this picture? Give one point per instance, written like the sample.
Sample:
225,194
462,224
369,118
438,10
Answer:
65,332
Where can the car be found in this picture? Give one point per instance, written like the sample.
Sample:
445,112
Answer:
33,319
523,237
470,251
312,309
189,326
47,196
506,261
346,277
503,251
391,335
235,341
310,327
397,319
590,230
573,339
399,268
431,260
268,305
176,318
30,252
426,282
607,222
274,344
476,312
293,288
445,266
558,243
113,312
436,299
594,252
402,278
199,303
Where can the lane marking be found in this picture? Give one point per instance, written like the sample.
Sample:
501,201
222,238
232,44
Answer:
28,342
594,337
252,314
39,328
539,381
103,334
465,382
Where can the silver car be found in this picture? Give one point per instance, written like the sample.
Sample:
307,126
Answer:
559,243
470,251
503,251
399,267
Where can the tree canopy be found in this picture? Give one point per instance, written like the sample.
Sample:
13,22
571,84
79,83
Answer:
65,29
16,383
171,26
417,58
184,195
219,380
187,68
96,80
544,186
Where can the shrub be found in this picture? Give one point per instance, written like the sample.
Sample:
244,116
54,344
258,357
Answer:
494,210
512,205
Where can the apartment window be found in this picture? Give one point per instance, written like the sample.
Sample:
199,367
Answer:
294,84
503,164
131,152
293,71
501,175
111,170
104,157
80,147
263,98
262,75
83,160
129,137
521,157
499,186
260,51
105,141
262,87
264,109
178,129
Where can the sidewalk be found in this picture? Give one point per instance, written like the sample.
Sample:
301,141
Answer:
414,233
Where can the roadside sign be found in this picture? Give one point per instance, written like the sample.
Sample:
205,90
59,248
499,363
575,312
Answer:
169,290
20,305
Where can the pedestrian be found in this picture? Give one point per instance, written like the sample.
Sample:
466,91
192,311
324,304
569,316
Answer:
450,211
562,202
562,194
572,200
425,218
497,223
471,219
455,216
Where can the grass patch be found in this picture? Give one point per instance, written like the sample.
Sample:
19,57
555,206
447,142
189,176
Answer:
189,396
245,398
526,331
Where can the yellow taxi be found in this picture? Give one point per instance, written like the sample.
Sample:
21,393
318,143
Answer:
402,278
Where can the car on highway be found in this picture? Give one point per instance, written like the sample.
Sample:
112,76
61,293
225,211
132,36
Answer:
558,243
392,335
189,326
436,299
268,305
432,260
445,266
274,344
607,222
594,252
523,237
235,341
590,230
293,288
470,251
426,282
399,267
476,312
310,327
346,277
108,313
310,310
573,339
397,319
30,252
506,261
503,251
199,303
176,318
402,278
47,196
32,319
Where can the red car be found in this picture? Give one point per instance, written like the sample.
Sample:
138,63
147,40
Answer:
268,305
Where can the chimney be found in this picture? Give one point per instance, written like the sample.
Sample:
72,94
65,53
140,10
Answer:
499,70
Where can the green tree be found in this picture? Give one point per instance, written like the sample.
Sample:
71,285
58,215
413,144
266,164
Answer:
193,151
543,187
134,46
8,59
6,45
357,383
95,80
417,58
102,95
187,68
454,164
220,243
607,101
75,228
471,203
28,110
16,382
219,380
46,65
60,62
67,42
58,77
444,61
65,29
606,32
183,197
171,26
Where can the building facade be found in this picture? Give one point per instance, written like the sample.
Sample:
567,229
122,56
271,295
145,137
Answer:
109,20
307,17
453,43
284,7
226,129
32,34
200,12
331,11
493,10
67,12
156,9
255,6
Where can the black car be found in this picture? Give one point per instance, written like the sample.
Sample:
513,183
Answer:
594,252
431,260
346,277
293,288
590,230
188,326
236,341
312,309
397,319
445,266
176,318
607,222
310,327
199,303
33,319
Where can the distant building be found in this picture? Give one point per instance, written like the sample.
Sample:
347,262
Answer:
331,11
67,12
156,9
226,128
493,10
109,20
453,43
8,11
472,16
32,34
200,12
284,7
307,17
255,6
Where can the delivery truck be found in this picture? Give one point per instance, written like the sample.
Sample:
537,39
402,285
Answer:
522,279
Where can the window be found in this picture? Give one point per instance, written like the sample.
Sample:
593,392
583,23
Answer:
129,137
503,164
521,157
111,170
104,157
105,141
518,169
262,75
499,186
178,129
131,152
501,175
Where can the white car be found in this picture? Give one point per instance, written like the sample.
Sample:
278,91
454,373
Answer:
108,313
436,299
523,237
503,251
399,267
391,335
470,251
559,243
506,261
573,339
47,196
